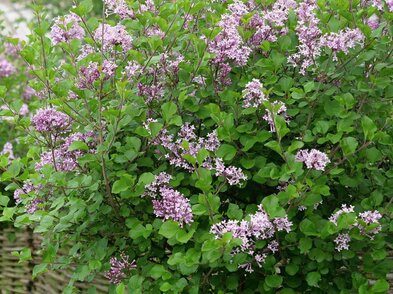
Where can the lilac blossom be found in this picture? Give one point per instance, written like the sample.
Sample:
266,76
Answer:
151,92
8,149
118,7
233,175
33,205
6,68
24,109
370,217
308,33
344,209
373,22
110,36
258,227
167,202
228,44
270,114
313,159
155,31
177,150
12,49
64,160
108,68
148,6
28,93
85,51
342,242
88,75
66,28
253,94
342,41
120,267
132,69
172,205
269,24
51,121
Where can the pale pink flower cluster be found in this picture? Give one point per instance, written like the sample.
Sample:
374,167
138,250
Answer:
49,120
313,159
308,33
342,41
120,268
361,222
258,227
228,45
112,36
64,160
311,39
66,28
342,242
8,149
270,114
88,75
28,188
188,143
6,68
270,24
253,94
118,7
168,203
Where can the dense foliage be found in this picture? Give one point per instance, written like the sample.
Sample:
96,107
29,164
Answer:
205,146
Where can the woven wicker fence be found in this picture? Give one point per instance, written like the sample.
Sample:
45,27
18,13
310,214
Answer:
16,277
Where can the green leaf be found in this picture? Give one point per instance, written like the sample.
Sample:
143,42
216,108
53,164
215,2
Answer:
168,110
349,145
308,228
78,145
273,281
121,289
226,151
369,128
272,207
291,269
313,278
125,183
274,145
39,269
166,287
157,271
305,245
169,229
380,286
83,8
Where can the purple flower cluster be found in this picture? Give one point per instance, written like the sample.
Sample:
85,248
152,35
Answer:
8,150
366,218
64,160
311,39
120,268
171,204
344,209
66,28
49,120
253,94
111,36
308,33
342,41
373,22
33,205
270,114
28,93
228,45
118,7
6,68
234,175
342,242
88,75
313,159
270,24
132,69
188,143
258,227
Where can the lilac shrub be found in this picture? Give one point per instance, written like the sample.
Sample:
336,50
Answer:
204,146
